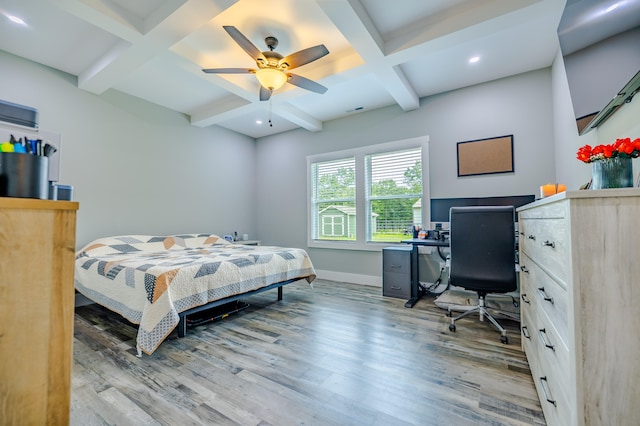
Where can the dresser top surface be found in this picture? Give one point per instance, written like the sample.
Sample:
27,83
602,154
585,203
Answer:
36,204
599,193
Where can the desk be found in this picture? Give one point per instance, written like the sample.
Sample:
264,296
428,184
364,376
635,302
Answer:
416,290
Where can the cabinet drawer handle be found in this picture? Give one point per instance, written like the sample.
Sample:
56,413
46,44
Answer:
543,386
525,299
524,269
525,332
532,237
543,336
549,244
393,287
395,266
544,295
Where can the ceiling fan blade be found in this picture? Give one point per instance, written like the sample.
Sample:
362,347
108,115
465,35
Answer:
244,42
305,83
229,70
304,56
265,94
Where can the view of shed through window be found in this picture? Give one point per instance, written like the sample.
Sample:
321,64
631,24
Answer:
392,190
334,199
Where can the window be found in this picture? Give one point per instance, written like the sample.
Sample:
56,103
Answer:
334,199
370,195
394,187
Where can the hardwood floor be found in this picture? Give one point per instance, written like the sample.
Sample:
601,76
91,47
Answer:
335,354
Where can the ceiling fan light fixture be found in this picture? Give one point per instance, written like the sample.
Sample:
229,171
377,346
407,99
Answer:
271,78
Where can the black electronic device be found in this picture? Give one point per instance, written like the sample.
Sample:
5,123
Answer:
440,206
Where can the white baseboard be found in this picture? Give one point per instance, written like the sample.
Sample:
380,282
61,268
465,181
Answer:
345,277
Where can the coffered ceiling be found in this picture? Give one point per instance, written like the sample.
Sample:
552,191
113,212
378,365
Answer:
381,52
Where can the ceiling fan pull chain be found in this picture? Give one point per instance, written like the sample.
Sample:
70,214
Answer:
270,108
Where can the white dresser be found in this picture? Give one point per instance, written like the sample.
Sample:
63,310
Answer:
580,310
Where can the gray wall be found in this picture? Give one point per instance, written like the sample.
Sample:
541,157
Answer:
135,167
139,168
535,107
623,124
521,105
598,72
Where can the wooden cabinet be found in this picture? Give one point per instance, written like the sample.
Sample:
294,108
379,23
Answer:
396,272
37,247
580,291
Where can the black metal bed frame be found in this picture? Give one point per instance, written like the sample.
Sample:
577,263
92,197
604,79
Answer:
182,324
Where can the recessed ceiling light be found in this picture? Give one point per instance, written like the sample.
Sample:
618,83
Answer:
15,19
258,121
474,59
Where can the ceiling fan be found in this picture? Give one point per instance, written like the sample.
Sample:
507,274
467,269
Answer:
272,71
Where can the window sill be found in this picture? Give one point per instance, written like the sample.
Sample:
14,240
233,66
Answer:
350,245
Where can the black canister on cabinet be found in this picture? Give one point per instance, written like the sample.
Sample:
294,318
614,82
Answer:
24,175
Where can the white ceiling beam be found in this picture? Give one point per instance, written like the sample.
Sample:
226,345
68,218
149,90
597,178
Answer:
222,110
355,24
142,41
102,16
456,27
352,20
466,18
234,107
399,87
296,116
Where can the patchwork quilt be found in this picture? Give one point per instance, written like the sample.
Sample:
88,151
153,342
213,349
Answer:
149,280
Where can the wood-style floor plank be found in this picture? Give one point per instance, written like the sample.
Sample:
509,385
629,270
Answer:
335,354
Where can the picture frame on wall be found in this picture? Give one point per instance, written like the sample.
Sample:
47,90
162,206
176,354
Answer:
485,156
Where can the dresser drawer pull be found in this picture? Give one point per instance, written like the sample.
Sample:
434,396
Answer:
395,266
532,237
525,332
543,336
524,269
525,299
549,244
544,295
394,287
543,382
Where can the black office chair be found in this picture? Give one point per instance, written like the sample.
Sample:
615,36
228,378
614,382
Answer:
482,255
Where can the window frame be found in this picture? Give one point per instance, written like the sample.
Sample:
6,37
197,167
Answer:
359,154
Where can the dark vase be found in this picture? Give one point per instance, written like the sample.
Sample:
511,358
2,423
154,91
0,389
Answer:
615,172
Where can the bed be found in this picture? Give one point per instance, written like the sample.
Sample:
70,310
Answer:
157,281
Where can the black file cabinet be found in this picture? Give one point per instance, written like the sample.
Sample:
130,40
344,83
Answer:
396,271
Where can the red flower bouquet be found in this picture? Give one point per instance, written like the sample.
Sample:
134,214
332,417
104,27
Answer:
624,148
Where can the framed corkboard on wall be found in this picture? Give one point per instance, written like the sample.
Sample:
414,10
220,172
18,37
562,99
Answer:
485,156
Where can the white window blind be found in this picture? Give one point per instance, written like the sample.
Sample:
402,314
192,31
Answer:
366,197
334,199
393,189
